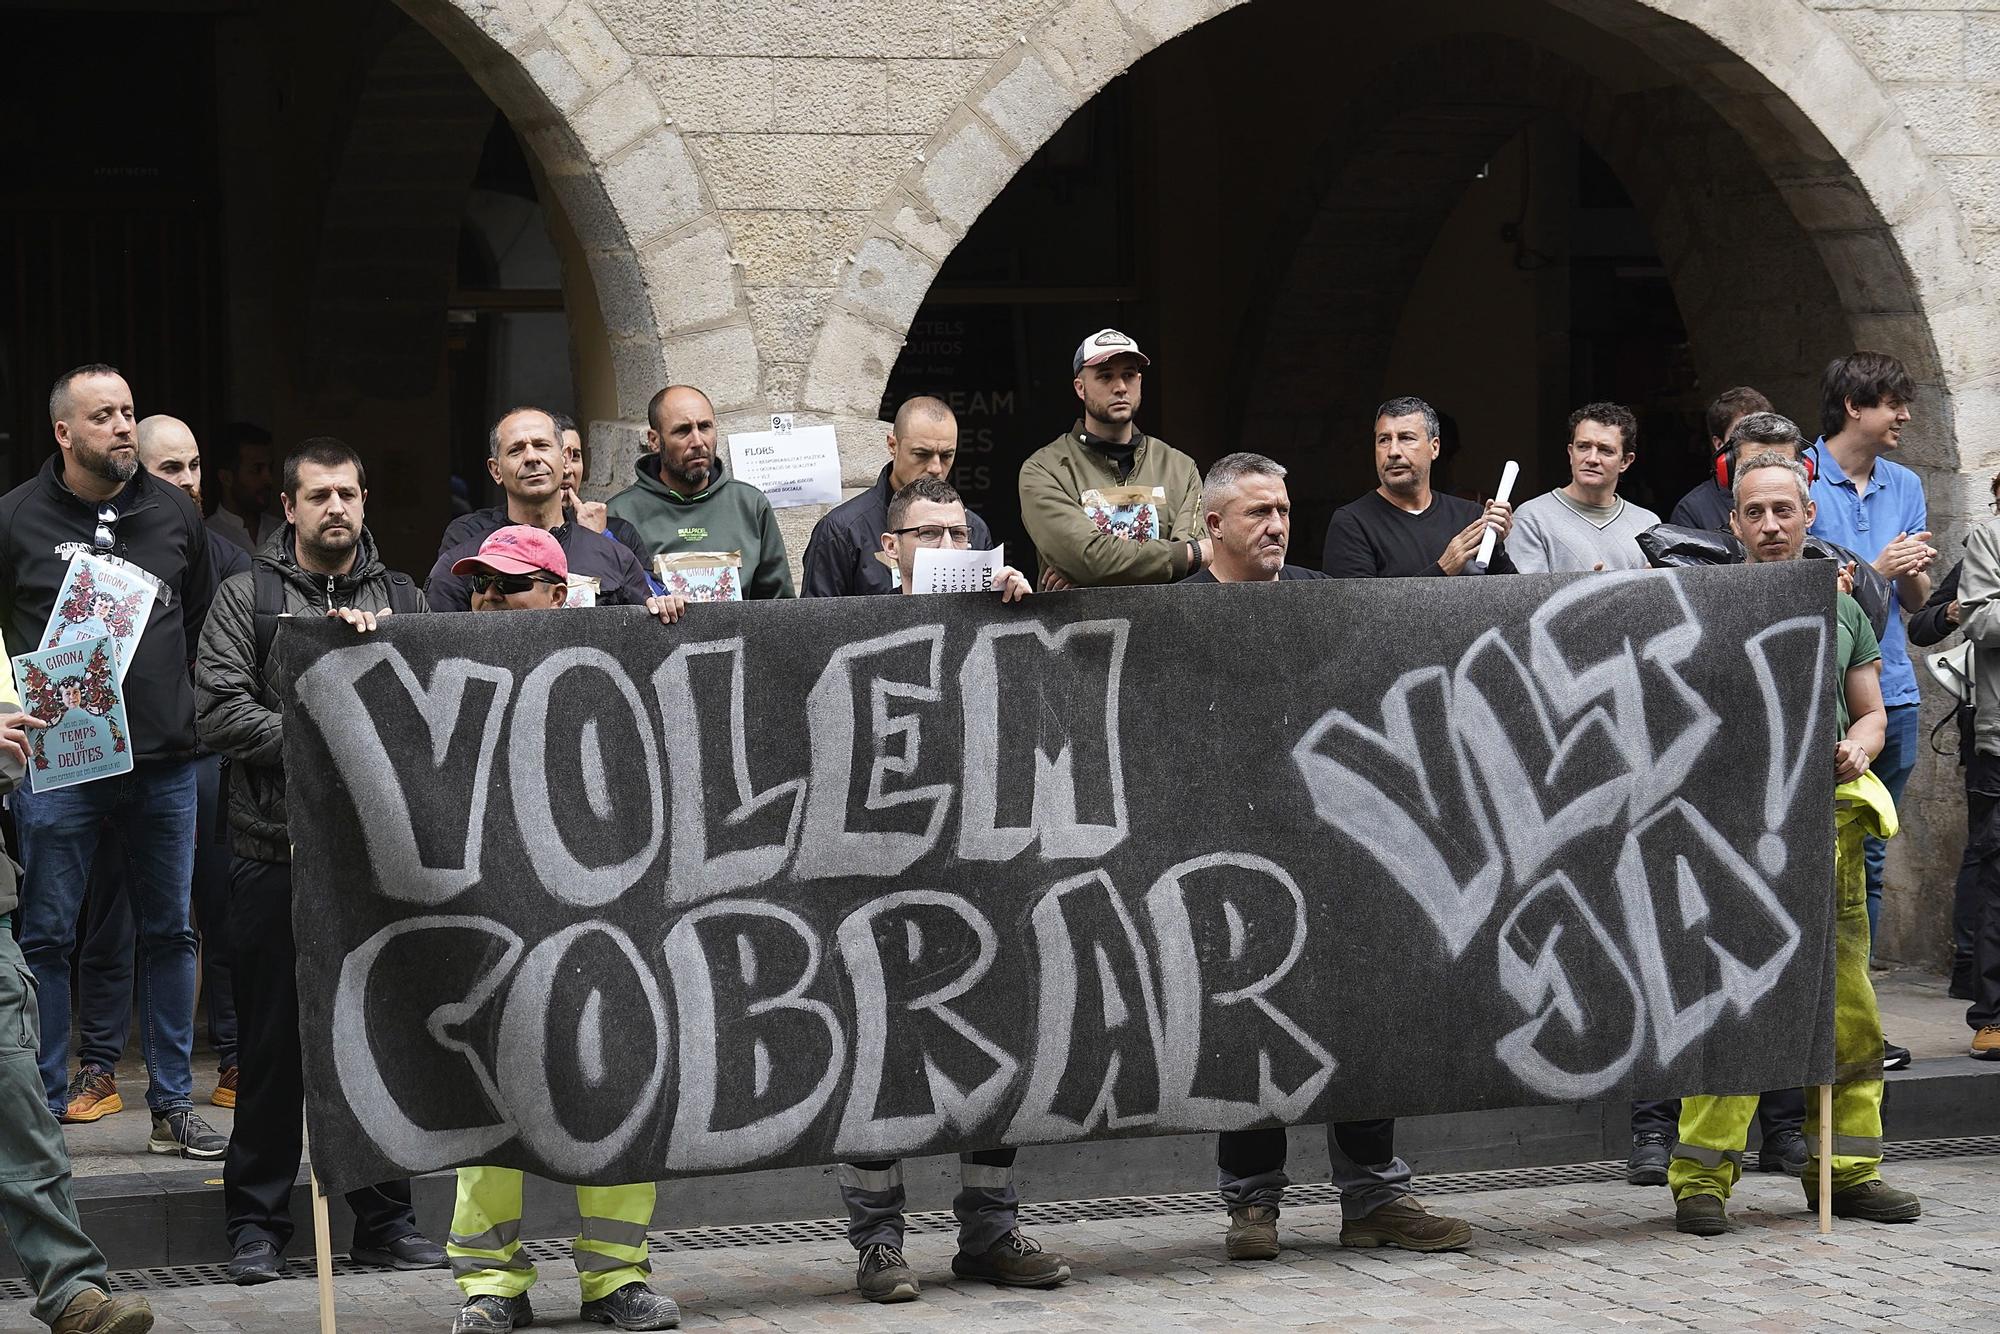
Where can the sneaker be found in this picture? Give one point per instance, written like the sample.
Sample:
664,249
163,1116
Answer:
1014,1261
1872,1202
634,1306
1253,1233
255,1262
93,1095
1700,1216
179,1130
1986,1044
1786,1151
225,1090
1650,1154
1406,1225
493,1315
410,1253
1894,1057
884,1276
94,1312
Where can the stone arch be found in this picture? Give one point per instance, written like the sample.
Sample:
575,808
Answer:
1810,113
631,188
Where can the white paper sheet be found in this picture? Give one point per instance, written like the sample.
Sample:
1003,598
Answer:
945,570
795,466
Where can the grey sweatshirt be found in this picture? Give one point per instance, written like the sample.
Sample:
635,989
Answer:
1553,532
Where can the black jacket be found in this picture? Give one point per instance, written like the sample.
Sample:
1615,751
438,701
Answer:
238,701
841,555
621,576
475,527
43,524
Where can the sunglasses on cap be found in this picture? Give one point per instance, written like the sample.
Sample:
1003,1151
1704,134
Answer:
507,585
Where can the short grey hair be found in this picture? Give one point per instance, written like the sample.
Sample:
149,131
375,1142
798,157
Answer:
1764,428
493,435
1410,407
1231,469
1770,460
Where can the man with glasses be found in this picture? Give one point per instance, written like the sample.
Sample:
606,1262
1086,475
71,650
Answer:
93,496
523,568
845,554
991,1246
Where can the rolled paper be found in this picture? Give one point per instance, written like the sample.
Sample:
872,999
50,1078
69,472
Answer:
1485,556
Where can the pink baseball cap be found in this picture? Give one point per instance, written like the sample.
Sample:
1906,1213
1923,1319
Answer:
517,549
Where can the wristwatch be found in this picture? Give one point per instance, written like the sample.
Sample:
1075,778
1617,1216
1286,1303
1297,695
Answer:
1194,557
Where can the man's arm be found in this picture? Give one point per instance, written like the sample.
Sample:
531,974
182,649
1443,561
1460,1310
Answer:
633,586
1067,539
198,579
1347,554
1868,723
829,561
1528,546
1189,524
1937,618
229,715
445,591
773,576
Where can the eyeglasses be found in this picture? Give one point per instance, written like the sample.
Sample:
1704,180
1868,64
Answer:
106,535
506,585
934,534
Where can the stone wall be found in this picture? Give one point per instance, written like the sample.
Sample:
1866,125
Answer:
765,190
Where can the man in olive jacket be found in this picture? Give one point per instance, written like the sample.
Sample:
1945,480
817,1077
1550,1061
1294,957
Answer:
322,563
1106,503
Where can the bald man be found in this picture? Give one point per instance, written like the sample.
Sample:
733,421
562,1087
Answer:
682,502
168,451
845,556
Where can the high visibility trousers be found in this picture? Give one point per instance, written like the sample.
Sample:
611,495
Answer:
485,1242
986,1205
1714,1131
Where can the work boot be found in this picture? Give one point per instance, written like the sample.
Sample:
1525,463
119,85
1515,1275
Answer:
1253,1233
493,1315
1986,1044
1650,1154
179,1130
1014,1261
1700,1215
634,1306
1894,1057
884,1276
93,1095
92,1312
1407,1225
1786,1151
1872,1202
225,1089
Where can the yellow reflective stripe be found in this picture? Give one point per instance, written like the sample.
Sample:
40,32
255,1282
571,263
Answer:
1696,1153
597,1262
1855,1146
463,1265
615,1232
499,1237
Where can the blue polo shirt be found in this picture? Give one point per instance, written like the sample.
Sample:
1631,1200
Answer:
1864,524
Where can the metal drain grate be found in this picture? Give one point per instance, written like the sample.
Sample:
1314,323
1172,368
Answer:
833,1231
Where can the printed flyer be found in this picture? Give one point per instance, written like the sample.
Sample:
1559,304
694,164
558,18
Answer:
75,690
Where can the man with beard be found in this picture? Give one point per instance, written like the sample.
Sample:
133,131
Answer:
322,563
682,502
1403,528
243,471
525,458
592,514
167,450
92,496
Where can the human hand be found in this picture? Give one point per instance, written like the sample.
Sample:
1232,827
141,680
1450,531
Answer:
1500,518
364,622
1850,761
667,606
1953,612
1461,549
1011,584
1846,578
1055,581
14,729
1909,553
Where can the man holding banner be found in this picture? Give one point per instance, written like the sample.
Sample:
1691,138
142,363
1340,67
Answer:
1773,511
929,514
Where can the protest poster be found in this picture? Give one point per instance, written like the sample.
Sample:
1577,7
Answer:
701,576
74,689
792,466
98,600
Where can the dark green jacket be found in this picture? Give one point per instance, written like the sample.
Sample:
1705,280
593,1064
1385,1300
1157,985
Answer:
728,516
1053,481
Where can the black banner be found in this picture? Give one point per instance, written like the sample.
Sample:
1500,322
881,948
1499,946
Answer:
848,879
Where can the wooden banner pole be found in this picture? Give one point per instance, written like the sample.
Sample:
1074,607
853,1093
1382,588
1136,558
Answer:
1825,1159
322,1248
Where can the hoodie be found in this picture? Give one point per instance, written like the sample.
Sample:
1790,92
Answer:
728,516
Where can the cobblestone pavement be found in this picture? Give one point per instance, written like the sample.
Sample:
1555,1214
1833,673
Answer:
1596,1256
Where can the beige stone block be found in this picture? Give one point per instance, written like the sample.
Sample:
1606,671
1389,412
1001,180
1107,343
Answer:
1028,103
1982,48
1955,119
512,24
1968,344
1975,436
787,321
1828,203
965,173
616,117
1867,270
850,367
722,363
653,187
715,93
919,226
691,279
922,94
655,27
638,371
1163,20
1933,246
988,27
795,526
887,281
804,171
557,79
1902,334
860,29
781,384
1974,186
1904,47
827,96
1087,43
864,448
793,247
589,45
622,299
613,448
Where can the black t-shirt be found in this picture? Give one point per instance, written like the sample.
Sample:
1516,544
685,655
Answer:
1372,539
1284,573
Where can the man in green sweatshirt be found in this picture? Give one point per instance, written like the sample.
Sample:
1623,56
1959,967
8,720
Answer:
1105,503
682,502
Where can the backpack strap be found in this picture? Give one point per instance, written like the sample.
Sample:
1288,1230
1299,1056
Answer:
269,606
404,595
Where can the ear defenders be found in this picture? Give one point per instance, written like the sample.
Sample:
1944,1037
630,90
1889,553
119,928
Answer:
1725,466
